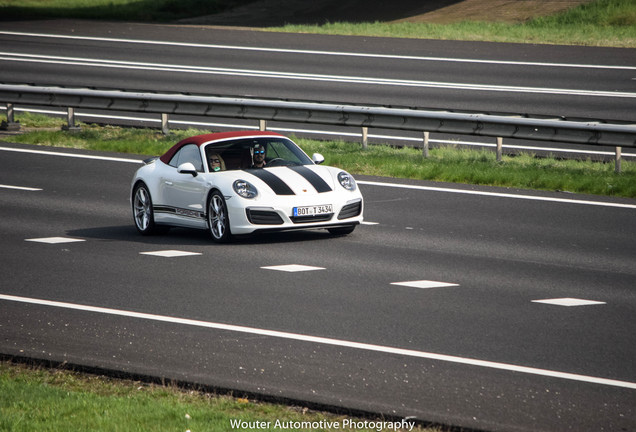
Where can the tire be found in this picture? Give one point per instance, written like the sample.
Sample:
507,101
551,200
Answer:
342,231
142,210
218,218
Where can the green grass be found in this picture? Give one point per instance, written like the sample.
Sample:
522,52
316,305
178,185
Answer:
52,400
445,164
480,167
599,23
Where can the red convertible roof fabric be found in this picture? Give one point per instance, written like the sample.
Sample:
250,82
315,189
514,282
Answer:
202,139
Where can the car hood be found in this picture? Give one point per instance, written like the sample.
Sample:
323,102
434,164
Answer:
293,180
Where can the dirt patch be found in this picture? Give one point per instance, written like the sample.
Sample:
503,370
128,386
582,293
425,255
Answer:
270,13
494,10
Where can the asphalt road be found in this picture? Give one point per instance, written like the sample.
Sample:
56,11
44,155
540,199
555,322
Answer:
477,349
486,77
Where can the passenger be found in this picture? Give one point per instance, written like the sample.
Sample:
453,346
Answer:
258,156
215,162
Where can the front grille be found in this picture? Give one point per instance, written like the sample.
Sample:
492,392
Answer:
350,210
263,217
310,219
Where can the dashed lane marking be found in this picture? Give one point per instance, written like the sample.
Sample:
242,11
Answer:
55,240
24,188
567,301
425,284
293,268
170,253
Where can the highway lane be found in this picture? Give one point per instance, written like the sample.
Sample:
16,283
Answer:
569,81
498,254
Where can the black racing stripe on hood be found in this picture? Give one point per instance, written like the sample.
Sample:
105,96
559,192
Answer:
313,178
278,186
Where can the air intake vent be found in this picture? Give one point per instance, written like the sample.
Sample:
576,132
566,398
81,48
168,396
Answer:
350,210
263,217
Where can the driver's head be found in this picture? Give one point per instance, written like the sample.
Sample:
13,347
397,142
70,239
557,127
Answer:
259,154
215,162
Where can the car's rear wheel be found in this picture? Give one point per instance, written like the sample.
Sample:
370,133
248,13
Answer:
142,210
218,219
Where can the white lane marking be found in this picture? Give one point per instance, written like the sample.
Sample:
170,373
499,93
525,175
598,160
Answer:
170,253
24,188
569,302
77,61
500,195
319,52
55,240
292,268
363,182
328,341
71,155
425,284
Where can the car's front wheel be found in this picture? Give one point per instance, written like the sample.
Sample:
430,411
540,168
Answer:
142,210
218,219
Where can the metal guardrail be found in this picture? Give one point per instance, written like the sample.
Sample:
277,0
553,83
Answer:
518,126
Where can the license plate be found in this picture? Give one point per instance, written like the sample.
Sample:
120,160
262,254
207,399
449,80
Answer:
313,210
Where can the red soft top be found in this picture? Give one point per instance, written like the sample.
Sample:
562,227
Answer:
206,138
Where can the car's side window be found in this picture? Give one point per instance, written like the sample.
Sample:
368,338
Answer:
188,153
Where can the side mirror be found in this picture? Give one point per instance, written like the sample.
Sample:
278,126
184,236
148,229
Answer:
187,168
318,158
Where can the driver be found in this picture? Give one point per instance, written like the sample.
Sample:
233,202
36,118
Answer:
258,156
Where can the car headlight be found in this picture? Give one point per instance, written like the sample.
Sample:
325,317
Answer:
245,189
346,180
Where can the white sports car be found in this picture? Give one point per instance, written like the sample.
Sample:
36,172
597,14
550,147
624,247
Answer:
237,183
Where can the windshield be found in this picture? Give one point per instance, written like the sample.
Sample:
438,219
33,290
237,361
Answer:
258,152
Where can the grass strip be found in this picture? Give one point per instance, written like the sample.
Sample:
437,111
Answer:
445,164
609,23
59,400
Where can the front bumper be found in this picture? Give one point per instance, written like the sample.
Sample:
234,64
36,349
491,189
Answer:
246,219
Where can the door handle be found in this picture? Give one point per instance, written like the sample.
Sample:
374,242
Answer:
169,183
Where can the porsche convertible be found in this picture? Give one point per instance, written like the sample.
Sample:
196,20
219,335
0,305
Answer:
236,183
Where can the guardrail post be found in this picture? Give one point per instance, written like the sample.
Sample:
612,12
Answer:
70,120
425,145
10,124
499,148
262,125
619,151
165,124
365,137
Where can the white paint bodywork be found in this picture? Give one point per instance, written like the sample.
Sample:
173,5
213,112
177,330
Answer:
181,199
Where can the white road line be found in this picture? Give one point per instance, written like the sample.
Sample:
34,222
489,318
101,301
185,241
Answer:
292,268
71,155
24,188
568,301
318,52
363,182
55,240
120,64
171,253
327,341
500,195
